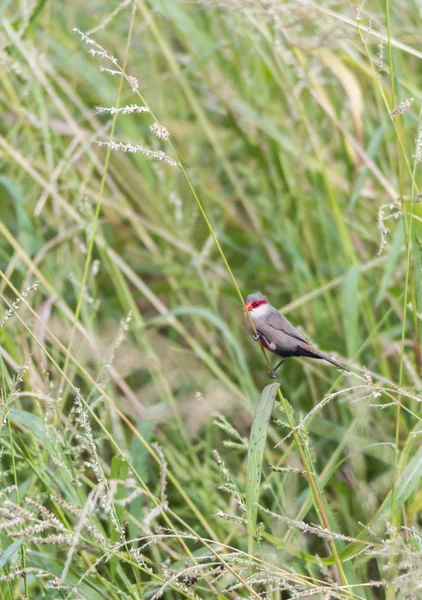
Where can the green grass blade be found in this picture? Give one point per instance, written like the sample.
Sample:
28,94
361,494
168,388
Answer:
351,310
258,438
417,272
407,484
393,259
119,472
9,552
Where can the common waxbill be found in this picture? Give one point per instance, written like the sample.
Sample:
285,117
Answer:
278,335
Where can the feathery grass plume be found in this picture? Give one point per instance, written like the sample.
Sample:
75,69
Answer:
368,32
133,82
230,487
9,397
17,573
277,469
380,56
222,423
124,110
33,526
163,471
95,267
401,108
152,515
301,424
172,577
418,153
123,328
56,583
326,573
225,472
387,405
160,131
136,148
327,534
382,218
227,517
76,511
140,559
109,71
359,10
280,175
100,52
15,306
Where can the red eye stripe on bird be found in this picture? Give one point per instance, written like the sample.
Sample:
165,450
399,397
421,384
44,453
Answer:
278,335
256,304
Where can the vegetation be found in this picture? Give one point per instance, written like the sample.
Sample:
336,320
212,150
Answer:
159,161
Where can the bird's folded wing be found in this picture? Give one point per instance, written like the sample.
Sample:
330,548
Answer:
276,320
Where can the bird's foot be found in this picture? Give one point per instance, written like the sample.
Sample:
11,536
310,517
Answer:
272,374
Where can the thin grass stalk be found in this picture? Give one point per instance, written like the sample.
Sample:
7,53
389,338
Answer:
314,487
111,439
94,224
405,439
414,191
12,455
395,515
129,273
306,459
312,582
343,232
106,396
340,222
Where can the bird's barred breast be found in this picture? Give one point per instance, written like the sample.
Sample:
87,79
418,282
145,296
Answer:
285,345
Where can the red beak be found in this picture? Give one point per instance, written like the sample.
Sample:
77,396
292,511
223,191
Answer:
248,306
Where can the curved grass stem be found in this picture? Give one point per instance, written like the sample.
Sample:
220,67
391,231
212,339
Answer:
305,457
97,213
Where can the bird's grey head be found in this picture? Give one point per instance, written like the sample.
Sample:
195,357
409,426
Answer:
255,297
256,304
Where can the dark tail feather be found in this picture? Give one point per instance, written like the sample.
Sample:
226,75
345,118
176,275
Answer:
313,353
331,360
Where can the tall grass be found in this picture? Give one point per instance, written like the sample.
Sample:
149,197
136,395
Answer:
156,167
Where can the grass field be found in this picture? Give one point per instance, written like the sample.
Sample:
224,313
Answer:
159,160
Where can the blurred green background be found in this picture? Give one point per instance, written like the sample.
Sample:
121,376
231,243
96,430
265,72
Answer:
297,127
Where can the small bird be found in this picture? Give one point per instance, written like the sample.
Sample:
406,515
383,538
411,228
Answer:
278,335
